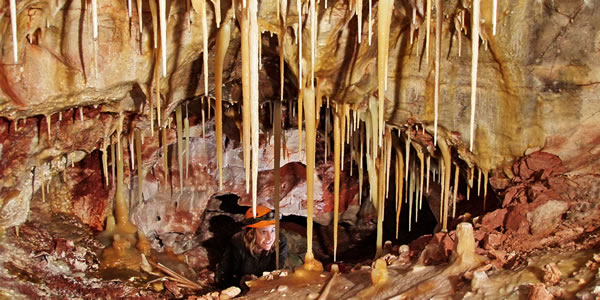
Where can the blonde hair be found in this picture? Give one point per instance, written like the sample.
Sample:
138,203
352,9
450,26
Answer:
250,242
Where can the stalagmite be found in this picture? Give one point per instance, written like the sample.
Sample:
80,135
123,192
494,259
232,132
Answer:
384,18
140,13
105,160
474,59
179,122
494,15
447,158
186,126
245,32
428,28
337,145
485,184
254,39
456,174
13,23
162,11
140,166
438,45
94,20
121,207
223,38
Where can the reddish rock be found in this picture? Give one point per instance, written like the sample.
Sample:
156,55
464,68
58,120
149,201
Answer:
493,240
552,274
516,219
539,292
494,219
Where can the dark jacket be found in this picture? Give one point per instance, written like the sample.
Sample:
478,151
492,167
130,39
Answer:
237,261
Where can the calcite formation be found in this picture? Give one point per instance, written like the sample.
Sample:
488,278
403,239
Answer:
177,99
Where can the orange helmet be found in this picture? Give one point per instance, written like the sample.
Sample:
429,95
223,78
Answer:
264,217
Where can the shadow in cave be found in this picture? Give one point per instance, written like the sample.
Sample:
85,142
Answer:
223,222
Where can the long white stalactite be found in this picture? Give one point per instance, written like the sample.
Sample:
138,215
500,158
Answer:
254,39
13,23
162,12
474,60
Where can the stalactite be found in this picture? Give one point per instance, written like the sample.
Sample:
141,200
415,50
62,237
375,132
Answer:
245,32
254,39
438,45
411,190
49,124
131,152
204,44
337,145
309,103
41,174
223,38
300,53
217,4
380,205
162,11
479,182
359,6
428,169
388,159
428,28
155,29
186,126
494,15
407,151
326,133
399,186
447,158
456,174
421,156
165,146
384,17
179,124
140,166
140,13
276,173
370,21
81,114
343,119
485,184
469,183
157,87
94,20
112,162
13,23
203,123
474,59
360,163
313,40
105,160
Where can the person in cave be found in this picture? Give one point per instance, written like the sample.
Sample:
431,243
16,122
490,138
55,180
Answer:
252,250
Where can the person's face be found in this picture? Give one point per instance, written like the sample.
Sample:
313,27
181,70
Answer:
265,237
